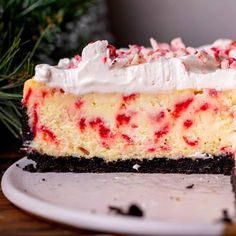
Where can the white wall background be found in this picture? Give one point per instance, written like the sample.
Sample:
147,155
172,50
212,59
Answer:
196,21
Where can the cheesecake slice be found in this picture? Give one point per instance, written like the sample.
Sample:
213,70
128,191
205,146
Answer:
167,108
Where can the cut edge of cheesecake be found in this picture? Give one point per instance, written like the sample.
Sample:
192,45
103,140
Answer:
211,163
161,109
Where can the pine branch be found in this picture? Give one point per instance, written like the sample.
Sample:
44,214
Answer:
24,25
11,87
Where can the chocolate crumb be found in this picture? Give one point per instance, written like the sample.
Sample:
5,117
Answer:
30,168
46,163
133,210
190,186
226,218
17,165
43,179
116,210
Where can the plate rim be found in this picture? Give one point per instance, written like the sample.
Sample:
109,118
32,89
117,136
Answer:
95,221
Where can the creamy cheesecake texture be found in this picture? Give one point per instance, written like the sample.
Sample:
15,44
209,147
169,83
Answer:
166,101
141,125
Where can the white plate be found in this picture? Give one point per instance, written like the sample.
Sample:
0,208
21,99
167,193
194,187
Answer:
82,200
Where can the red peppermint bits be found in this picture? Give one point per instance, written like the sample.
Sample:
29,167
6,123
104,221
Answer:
216,53
233,44
44,94
134,126
27,97
233,65
130,97
123,119
135,46
224,64
82,124
151,149
35,119
79,103
112,51
203,56
77,58
188,123
181,107
228,63
96,122
213,93
85,151
165,147
225,149
72,66
177,44
162,132
231,60
204,107
104,132
48,135
190,142
160,116
127,138
227,51
104,60
185,66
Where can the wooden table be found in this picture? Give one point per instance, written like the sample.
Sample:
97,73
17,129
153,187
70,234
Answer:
14,221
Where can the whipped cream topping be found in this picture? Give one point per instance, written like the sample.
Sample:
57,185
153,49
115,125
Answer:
162,67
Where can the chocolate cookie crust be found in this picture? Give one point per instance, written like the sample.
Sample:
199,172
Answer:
216,165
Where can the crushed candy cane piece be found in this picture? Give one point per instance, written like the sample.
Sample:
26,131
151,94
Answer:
77,58
225,64
218,56
177,43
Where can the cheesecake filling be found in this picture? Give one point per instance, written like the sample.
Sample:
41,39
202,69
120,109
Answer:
113,126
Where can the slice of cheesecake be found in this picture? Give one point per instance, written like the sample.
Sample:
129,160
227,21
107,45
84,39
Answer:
162,109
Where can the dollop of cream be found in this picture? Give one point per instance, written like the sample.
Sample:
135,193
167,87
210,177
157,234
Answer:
43,73
96,73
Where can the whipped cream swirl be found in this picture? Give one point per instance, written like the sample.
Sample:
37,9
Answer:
103,69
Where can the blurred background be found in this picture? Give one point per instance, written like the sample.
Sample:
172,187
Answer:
197,22
43,31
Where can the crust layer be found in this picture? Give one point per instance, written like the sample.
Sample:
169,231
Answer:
217,165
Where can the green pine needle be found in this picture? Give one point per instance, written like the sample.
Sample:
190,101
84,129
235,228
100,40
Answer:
24,26
11,82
